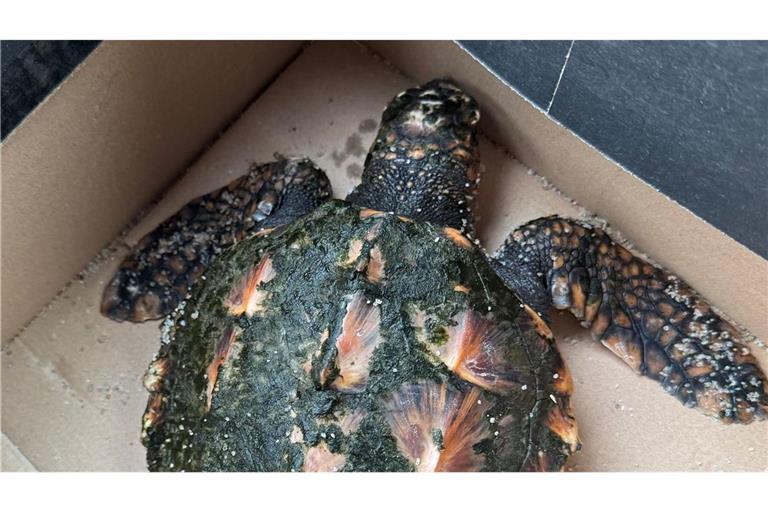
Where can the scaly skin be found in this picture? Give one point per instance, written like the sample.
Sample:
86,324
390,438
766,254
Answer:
168,261
651,319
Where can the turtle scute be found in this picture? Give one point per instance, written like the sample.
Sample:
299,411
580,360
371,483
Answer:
324,345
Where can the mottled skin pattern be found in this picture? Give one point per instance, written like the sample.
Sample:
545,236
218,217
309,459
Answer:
166,262
373,333
269,388
651,319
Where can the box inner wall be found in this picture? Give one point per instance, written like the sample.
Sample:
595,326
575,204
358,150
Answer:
71,382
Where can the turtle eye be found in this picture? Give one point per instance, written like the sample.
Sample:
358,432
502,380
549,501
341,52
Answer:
473,117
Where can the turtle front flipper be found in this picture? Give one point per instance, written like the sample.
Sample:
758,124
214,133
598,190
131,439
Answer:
158,274
651,319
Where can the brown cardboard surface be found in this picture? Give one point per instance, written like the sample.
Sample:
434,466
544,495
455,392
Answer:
110,138
72,398
12,459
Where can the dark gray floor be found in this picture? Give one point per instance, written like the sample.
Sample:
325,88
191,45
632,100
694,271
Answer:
534,65
688,117
30,71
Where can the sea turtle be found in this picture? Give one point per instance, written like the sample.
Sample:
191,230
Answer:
374,334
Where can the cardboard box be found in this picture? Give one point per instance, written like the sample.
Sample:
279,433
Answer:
141,120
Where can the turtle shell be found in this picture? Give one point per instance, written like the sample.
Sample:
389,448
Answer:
356,340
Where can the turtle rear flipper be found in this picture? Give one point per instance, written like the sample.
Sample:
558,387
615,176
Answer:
163,266
651,319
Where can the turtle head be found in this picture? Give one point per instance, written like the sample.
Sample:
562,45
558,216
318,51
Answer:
424,162
437,109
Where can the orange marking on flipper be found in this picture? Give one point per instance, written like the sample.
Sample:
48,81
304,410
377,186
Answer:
666,309
405,219
320,459
590,312
177,264
460,288
601,323
623,344
455,236
578,300
702,308
681,350
744,356
375,269
630,299
698,371
712,401
220,357
564,425
358,339
416,411
621,319
655,359
246,296
147,307
623,254
653,323
678,317
475,351
744,412
160,278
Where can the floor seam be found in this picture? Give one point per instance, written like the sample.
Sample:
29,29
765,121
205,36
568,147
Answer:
559,78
